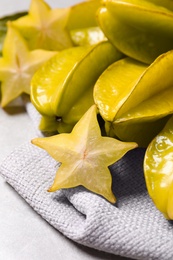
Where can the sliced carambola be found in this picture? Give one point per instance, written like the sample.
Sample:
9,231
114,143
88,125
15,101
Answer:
62,90
45,27
158,170
3,26
85,156
17,65
139,99
140,29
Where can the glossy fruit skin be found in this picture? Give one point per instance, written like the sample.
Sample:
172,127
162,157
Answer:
82,23
140,29
158,170
133,98
68,81
87,36
83,15
168,4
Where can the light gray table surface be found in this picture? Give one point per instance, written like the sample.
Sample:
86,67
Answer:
24,235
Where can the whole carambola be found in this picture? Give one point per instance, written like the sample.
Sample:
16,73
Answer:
62,90
158,170
82,23
83,15
134,99
141,29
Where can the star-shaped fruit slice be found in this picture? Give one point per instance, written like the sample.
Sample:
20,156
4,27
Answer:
85,156
44,27
18,65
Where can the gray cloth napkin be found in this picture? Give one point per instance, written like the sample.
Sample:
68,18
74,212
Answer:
132,228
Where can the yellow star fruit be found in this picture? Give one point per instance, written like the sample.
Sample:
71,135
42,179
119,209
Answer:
18,65
44,27
83,25
85,156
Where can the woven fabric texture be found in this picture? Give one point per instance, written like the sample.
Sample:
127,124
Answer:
132,228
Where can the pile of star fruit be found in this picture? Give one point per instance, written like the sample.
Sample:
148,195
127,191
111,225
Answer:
101,75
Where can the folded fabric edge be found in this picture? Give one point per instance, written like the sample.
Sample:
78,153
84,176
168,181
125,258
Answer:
88,213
